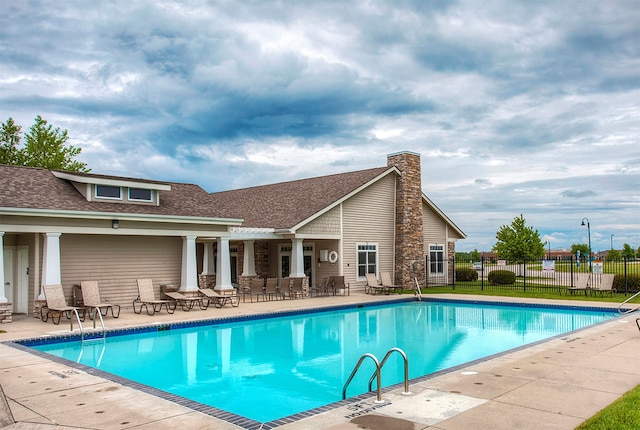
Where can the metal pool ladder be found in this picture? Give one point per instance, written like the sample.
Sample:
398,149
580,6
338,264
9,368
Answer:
376,373
628,311
418,292
96,313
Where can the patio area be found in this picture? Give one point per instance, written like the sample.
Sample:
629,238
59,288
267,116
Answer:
555,384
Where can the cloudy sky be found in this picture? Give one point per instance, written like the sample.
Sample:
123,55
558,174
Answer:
516,107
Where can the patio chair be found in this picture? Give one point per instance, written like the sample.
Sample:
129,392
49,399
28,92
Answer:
339,284
57,306
322,289
372,286
297,288
271,290
580,283
285,287
255,288
147,299
385,278
91,299
602,284
218,299
187,302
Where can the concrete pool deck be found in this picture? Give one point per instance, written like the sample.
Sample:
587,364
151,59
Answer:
555,384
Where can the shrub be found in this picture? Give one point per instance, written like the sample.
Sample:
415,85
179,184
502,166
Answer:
633,283
464,274
501,277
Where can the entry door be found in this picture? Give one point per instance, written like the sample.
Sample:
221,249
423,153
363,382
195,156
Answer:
8,273
308,267
16,277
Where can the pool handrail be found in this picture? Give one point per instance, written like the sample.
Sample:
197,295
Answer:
406,369
418,292
628,311
355,370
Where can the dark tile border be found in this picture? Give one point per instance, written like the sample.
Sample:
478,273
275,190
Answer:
249,424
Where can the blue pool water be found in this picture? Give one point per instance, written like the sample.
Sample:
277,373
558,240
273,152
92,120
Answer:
265,369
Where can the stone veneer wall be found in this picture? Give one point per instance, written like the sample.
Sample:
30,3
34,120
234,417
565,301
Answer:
5,312
409,253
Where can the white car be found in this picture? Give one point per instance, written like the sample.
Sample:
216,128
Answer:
477,265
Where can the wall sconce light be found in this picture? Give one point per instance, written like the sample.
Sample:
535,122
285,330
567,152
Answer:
115,224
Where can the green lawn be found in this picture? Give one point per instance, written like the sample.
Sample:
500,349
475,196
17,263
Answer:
623,414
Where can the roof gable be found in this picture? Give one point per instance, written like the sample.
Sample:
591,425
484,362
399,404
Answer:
287,204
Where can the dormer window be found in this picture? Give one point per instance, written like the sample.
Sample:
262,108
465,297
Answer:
140,195
108,192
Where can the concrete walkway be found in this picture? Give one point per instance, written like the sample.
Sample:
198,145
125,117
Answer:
556,384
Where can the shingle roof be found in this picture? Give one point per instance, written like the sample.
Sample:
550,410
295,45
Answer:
34,188
285,204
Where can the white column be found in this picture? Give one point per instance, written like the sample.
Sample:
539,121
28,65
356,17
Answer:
208,264
3,296
249,264
223,275
189,276
297,259
51,260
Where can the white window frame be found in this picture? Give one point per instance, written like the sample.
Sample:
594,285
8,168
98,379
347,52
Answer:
140,200
366,248
107,197
437,248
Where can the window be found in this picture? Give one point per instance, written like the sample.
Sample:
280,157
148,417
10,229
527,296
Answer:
139,194
367,259
108,192
436,258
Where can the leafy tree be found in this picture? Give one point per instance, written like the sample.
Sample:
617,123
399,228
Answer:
44,147
582,247
517,241
9,141
627,251
475,255
613,255
638,252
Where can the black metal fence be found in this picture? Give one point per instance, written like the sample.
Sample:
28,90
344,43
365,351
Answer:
557,274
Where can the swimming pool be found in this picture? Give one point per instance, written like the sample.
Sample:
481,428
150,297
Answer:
268,368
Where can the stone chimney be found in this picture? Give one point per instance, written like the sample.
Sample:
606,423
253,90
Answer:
409,254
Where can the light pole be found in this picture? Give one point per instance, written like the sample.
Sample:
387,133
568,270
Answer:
589,233
612,241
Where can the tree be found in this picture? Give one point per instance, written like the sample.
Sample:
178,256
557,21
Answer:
9,141
518,242
475,255
638,252
582,247
44,147
627,251
613,255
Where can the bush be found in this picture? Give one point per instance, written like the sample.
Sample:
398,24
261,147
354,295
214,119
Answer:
633,283
501,277
465,274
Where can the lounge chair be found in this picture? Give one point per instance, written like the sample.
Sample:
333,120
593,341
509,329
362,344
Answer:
339,284
322,289
57,306
372,286
218,299
255,288
385,279
297,288
147,298
285,287
271,290
602,284
580,283
187,302
91,299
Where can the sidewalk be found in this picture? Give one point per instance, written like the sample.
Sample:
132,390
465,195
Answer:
556,384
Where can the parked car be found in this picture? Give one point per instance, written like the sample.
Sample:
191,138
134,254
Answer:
477,265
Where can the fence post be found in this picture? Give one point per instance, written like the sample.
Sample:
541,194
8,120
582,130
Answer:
524,273
571,281
482,273
625,275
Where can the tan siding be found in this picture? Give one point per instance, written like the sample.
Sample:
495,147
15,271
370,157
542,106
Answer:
328,223
117,261
369,217
434,227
